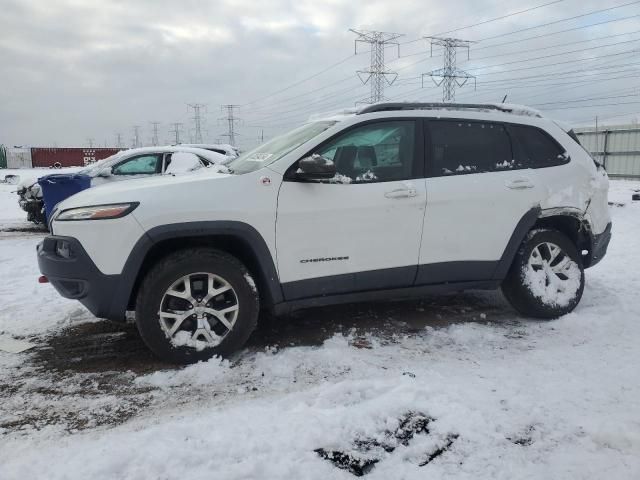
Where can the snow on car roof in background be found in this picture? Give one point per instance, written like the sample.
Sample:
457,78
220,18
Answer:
207,154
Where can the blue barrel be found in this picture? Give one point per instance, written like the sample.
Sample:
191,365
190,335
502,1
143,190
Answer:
57,187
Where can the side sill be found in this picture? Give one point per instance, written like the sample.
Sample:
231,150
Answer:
383,295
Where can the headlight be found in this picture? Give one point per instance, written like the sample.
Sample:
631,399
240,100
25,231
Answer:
97,212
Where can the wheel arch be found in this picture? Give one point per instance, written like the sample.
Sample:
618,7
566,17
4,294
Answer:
236,238
568,221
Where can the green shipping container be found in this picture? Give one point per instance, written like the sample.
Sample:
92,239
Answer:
3,157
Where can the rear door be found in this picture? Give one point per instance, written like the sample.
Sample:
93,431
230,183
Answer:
361,230
477,191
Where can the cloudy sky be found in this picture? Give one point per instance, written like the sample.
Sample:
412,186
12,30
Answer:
74,70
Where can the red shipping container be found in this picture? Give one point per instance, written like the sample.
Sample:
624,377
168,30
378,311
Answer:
69,157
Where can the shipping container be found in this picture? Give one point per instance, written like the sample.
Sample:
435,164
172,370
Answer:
69,157
19,158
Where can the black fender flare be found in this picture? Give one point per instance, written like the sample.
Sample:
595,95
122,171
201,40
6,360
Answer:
523,227
203,229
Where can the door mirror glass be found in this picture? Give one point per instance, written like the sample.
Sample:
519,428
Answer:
315,167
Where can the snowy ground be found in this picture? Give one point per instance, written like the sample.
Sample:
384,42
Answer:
478,391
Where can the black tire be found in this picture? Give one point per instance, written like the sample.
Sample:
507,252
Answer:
523,287
187,262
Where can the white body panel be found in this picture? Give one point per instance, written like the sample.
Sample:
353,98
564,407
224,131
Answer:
357,223
192,197
472,217
108,242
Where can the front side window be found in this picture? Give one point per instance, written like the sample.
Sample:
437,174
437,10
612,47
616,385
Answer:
142,165
538,148
277,147
462,147
376,152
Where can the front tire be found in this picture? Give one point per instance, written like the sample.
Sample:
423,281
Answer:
195,304
546,278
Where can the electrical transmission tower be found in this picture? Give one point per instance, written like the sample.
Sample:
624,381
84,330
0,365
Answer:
450,76
90,141
136,136
377,73
119,140
154,138
177,129
197,120
231,121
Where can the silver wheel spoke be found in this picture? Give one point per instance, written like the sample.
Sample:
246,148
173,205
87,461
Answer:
179,318
562,265
554,251
186,295
213,292
220,315
198,289
536,258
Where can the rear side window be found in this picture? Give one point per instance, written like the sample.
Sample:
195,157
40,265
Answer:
461,147
538,149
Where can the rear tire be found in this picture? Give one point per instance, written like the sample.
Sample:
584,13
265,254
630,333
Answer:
195,304
546,278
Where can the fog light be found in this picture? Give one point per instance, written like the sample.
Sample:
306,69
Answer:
63,249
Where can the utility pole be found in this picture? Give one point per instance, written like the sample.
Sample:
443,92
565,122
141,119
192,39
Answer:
377,73
136,136
154,138
177,129
450,76
231,120
119,140
197,119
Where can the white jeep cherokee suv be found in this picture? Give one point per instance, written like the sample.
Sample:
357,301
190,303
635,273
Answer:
392,200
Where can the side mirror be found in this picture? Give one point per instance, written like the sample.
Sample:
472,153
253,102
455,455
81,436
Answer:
315,167
105,173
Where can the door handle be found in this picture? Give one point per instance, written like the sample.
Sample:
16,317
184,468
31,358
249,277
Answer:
519,183
404,192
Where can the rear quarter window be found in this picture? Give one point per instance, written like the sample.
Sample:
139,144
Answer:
537,148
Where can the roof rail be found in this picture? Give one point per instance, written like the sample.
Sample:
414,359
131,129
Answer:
391,106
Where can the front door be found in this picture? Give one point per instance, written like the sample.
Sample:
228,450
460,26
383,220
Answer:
361,230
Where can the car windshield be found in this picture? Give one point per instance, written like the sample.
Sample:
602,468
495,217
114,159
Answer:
95,167
278,147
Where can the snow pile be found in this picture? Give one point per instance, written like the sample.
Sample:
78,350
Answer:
515,398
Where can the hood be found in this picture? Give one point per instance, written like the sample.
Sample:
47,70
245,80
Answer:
135,190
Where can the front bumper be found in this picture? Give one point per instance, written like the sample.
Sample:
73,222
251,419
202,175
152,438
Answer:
599,245
75,276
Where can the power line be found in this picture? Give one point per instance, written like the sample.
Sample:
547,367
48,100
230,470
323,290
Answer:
154,138
499,18
197,120
451,75
377,74
299,82
177,130
593,12
136,136
231,120
535,37
305,94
